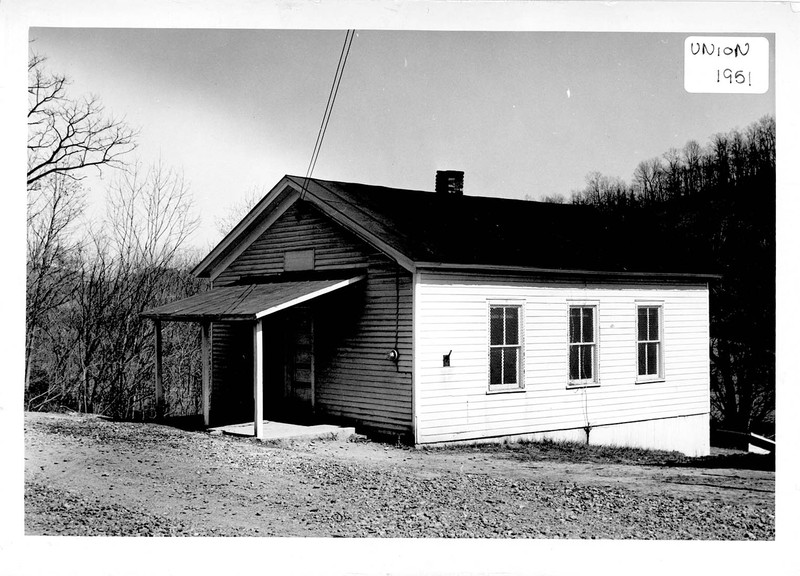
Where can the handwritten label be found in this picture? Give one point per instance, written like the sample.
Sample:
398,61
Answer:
726,64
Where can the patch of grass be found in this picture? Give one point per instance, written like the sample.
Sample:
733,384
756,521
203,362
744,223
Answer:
575,452
579,453
572,452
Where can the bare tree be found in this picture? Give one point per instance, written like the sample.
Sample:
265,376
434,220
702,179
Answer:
65,135
149,220
53,208
549,198
647,180
692,161
672,173
239,209
718,163
150,215
132,261
85,291
554,198
602,191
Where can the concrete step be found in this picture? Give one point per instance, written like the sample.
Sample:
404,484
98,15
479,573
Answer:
287,432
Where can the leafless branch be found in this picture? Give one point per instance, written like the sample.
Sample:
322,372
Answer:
66,136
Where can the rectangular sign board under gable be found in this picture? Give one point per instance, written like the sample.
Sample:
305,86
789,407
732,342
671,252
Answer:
726,64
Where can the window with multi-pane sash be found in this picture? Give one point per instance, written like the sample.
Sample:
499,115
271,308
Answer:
582,345
505,347
648,342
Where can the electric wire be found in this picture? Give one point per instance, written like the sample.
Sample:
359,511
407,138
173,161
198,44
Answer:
322,126
334,91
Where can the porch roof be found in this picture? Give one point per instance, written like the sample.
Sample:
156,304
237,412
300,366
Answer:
246,302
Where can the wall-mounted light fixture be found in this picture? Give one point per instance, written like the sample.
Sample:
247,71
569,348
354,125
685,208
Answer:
446,359
393,355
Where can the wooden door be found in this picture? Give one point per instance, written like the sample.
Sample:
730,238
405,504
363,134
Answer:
299,363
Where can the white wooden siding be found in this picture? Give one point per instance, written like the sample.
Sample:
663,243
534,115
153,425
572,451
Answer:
687,434
452,403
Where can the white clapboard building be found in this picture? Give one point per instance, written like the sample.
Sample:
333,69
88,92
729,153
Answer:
441,317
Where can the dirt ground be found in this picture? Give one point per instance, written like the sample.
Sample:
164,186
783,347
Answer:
88,476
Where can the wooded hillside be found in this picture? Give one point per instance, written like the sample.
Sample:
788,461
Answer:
86,349
719,200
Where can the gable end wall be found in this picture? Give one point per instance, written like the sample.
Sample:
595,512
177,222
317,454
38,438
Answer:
301,227
354,327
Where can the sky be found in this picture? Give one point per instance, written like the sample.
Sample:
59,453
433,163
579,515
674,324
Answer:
523,114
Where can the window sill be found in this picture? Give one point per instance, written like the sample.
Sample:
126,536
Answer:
571,386
505,391
650,380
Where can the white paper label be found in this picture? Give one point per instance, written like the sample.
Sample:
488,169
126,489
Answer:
726,64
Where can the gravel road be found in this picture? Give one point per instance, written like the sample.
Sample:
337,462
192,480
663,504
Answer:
88,476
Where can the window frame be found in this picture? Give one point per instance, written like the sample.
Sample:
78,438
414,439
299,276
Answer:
519,386
299,260
594,305
659,376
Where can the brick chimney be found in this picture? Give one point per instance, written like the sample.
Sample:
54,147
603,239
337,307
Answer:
450,182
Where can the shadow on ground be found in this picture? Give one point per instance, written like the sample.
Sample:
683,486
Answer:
192,423
580,453
746,461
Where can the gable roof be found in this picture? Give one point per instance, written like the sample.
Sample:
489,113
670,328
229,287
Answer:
423,229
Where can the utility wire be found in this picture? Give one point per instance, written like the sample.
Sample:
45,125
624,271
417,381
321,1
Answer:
337,78
328,106
338,83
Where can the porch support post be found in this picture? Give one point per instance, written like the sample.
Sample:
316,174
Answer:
258,379
205,359
159,373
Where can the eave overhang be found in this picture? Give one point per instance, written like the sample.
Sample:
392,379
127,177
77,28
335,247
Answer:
531,270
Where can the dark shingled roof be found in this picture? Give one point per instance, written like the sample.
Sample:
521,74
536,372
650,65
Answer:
427,227
245,302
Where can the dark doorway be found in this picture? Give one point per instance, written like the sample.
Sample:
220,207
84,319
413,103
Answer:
289,366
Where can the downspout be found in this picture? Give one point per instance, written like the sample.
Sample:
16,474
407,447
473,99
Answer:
397,313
